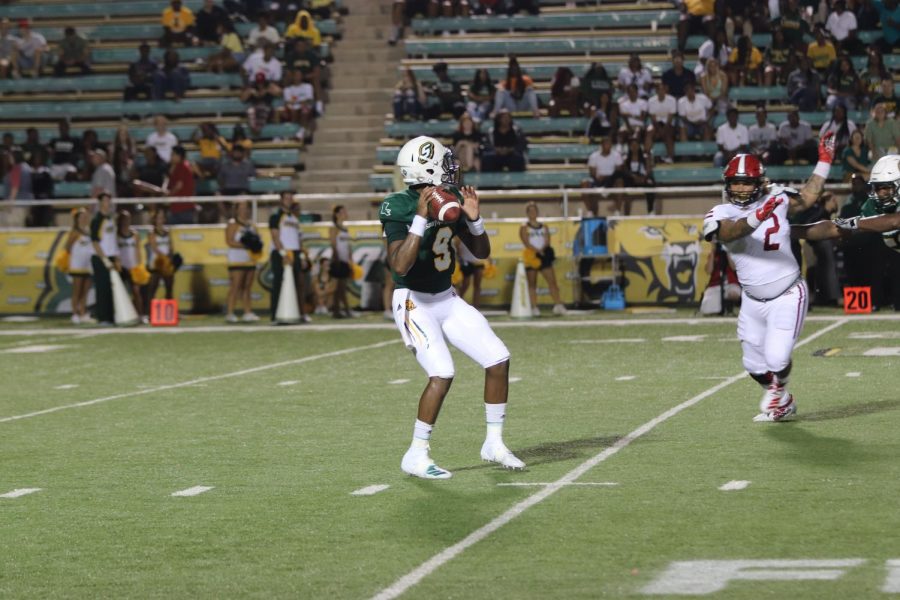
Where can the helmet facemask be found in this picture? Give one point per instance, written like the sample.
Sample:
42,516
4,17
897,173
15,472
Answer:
889,203
744,198
450,166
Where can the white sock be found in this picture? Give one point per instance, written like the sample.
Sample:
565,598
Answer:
494,415
421,435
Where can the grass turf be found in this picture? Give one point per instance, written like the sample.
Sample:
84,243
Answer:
280,521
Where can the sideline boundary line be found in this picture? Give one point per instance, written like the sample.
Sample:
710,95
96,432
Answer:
404,583
173,386
386,326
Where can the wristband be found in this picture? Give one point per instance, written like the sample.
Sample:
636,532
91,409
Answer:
822,169
753,221
418,226
476,227
283,253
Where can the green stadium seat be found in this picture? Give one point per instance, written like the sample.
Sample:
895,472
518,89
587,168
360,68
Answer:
271,185
681,175
758,94
527,179
588,20
140,132
115,108
129,55
538,46
59,10
266,157
72,189
107,83
405,129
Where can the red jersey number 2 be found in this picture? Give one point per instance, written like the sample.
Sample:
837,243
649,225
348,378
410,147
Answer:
768,245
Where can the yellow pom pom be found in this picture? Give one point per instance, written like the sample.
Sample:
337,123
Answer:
162,264
530,258
62,261
356,271
140,275
256,256
490,270
457,277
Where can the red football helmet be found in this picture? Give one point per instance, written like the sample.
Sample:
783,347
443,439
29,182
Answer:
744,168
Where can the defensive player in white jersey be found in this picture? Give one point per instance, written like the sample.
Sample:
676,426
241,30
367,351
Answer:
752,224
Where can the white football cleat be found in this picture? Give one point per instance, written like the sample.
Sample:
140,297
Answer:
780,413
559,310
418,463
771,398
497,452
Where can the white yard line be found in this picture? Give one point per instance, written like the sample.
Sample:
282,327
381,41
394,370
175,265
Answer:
539,484
547,324
20,492
66,386
612,341
287,383
854,374
193,491
626,377
201,380
398,381
734,485
370,490
404,583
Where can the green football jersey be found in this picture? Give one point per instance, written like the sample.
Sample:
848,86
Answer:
891,238
436,259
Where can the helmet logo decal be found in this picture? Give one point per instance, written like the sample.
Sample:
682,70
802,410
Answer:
426,152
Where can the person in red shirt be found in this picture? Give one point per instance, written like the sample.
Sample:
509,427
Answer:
181,184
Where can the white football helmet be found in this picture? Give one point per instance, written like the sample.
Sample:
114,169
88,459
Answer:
885,175
424,160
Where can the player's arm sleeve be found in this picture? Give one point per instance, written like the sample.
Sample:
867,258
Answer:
395,231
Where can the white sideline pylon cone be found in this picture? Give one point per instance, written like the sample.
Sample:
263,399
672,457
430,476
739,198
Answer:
124,314
288,310
521,303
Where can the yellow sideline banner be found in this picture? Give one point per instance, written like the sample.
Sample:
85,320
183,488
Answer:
659,258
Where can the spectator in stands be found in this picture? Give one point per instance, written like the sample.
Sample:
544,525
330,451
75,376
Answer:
516,92
7,147
103,181
480,95
239,138
716,47
637,74
123,151
149,177
882,134
604,115
792,23
263,34
763,135
210,144
840,126
594,84
663,111
714,84
321,9
264,63
9,52
887,97
178,25
89,142
74,51
677,77
181,185
694,113
64,153
42,188
795,141
841,24
260,98
230,56
31,51
299,105
606,167
633,109
140,75
821,52
409,97
444,95
208,21
403,11
467,144
844,86
17,181
744,63
161,139
697,17
565,94
732,138
301,56
803,85
779,59
235,173
638,168
172,77
889,16
855,158
873,74
506,145
304,27
34,151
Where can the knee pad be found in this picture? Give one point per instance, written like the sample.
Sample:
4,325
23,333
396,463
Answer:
763,379
783,374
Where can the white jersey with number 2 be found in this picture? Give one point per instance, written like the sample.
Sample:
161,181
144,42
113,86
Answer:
765,265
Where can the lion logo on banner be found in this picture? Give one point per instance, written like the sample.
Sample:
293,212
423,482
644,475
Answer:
659,259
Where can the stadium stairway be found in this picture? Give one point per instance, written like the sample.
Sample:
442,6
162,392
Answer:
363,76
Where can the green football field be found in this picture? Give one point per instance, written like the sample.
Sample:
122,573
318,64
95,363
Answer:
630,426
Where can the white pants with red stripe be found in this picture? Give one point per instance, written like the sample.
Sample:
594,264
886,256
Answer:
425,319
769,330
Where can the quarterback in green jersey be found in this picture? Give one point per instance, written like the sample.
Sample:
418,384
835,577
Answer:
426,308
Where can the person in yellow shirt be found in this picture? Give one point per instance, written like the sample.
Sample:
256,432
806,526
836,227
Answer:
303,26
210,145
697,17
821,52
178,25
744,63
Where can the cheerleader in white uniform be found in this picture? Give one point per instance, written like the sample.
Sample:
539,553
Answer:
130,257
80,250
241,264
539,256
159,260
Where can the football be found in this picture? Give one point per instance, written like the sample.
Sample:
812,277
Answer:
443,205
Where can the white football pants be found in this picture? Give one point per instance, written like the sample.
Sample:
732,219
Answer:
769,330
425,319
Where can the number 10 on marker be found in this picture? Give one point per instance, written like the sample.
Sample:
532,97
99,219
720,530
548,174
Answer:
164,313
